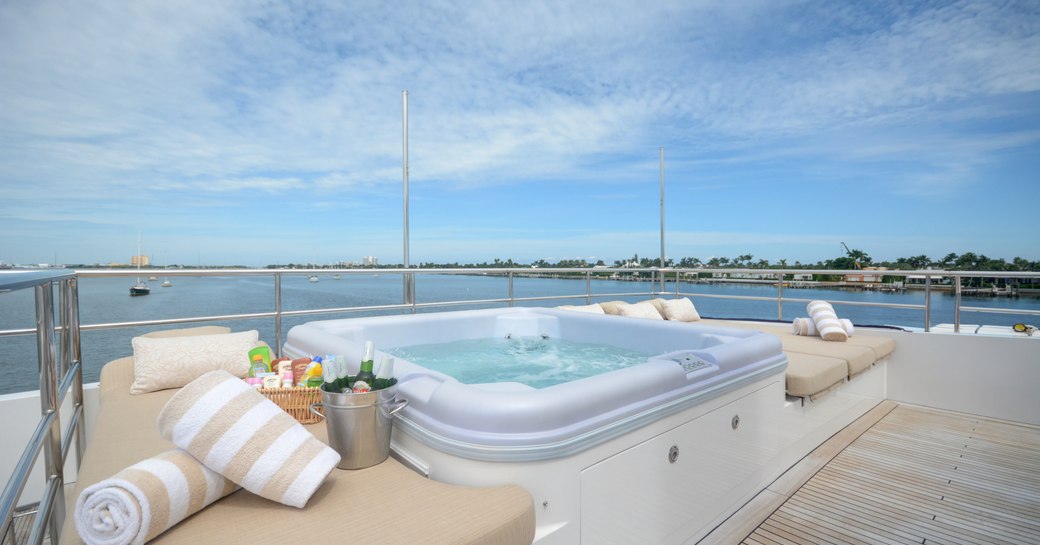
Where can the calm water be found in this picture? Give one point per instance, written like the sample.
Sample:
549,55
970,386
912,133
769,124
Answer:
105,300
533,361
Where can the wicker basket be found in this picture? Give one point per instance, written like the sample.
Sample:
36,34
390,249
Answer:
295,401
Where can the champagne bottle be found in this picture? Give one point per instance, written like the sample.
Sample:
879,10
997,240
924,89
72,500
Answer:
328,373
342,379
385,378
365,374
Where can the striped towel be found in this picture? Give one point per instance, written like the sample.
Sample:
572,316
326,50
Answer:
239,433
806,327
146,499
826,321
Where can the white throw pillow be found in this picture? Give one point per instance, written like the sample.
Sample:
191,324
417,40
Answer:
680,310
591,309
173,362
640,310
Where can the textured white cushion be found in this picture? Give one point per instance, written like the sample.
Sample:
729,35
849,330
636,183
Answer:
591,309
680,310
640,310
173,362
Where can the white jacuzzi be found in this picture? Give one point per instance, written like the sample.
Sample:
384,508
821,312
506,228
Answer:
576,446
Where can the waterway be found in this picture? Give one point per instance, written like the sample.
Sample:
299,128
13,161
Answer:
105,300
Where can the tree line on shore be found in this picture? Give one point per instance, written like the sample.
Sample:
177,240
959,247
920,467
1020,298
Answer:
855,259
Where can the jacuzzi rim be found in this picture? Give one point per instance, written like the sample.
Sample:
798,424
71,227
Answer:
588,439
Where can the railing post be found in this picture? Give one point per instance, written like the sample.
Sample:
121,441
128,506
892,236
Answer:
71,300
588,287
780,296
278,314
927,303
53,464
677,284
510,288
957,304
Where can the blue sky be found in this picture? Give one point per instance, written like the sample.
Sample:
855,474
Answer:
270,132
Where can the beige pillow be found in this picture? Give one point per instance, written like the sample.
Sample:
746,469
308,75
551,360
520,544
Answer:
640,310
173,362
611,307
591,309
680,310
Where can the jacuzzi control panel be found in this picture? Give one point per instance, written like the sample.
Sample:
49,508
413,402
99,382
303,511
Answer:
690,363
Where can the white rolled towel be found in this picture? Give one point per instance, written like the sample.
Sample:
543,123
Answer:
239,433
826,321
146,499
806,327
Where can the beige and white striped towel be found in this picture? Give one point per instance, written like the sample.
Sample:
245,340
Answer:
239,433
826,321
806,327
146,499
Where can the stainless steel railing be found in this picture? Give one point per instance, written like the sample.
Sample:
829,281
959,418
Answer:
58,352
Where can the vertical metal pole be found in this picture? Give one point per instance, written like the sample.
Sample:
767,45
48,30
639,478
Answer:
409,280
957,304
676,284
662,217
71,298
53,464
510,288
927,303
780,297
278,314
588,287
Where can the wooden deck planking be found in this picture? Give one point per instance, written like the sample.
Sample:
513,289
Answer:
918,476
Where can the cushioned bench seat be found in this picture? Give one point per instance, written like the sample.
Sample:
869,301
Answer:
859,352
387,503
814,365
809,375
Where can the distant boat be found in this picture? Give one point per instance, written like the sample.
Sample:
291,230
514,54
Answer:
140,288
150,278
335,277
166,283
312,278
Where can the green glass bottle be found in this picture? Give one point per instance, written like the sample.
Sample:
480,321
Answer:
365,375
385,377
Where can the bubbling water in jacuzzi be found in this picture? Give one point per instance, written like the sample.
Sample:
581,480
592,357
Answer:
537,361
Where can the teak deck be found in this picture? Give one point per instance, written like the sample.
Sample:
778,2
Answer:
915,476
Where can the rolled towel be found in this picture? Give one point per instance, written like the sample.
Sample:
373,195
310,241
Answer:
826,321
239,433
806,327
146,499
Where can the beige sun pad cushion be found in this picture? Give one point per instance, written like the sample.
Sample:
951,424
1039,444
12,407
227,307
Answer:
859,358
387,503
808,375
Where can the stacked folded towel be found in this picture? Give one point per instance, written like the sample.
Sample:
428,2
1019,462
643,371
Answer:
228,435
239,433
826,321
806,327
147,498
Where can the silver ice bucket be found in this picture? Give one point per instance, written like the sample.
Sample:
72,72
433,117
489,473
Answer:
359,425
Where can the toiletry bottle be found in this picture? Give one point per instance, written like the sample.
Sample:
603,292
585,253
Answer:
365,374
385,378
257,366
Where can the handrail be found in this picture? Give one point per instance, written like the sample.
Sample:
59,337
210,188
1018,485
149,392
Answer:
62,360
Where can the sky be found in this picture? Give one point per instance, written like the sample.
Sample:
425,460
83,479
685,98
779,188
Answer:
257,132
